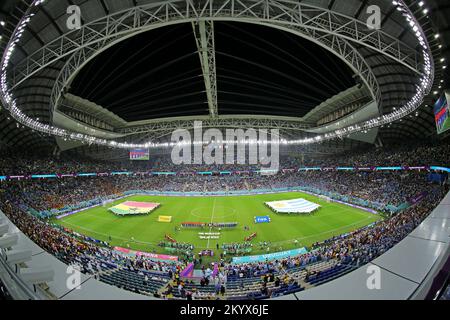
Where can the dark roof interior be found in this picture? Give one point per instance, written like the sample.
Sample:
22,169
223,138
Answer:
49,23
260,70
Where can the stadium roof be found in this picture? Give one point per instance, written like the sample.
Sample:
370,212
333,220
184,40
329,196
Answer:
260,70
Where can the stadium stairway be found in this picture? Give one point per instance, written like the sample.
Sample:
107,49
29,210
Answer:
322,276
250,287
135,280
294,279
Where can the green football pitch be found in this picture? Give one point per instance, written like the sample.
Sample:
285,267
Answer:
283,232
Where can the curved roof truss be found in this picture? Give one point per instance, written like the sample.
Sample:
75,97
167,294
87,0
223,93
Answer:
338,32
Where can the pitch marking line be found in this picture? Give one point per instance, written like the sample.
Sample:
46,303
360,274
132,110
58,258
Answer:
125,240
326,232
212,218
202,209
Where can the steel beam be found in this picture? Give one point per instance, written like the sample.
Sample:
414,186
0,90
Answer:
289,14
204,37
334,31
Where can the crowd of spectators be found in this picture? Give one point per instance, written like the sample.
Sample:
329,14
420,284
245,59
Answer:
77,249
385,188
395,155
392,188
356,248
17,197
405,154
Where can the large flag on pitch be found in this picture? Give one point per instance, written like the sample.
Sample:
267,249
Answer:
134,207
293,206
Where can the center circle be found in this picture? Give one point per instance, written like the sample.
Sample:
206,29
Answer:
207,212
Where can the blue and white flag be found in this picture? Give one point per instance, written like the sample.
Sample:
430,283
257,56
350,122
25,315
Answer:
293,206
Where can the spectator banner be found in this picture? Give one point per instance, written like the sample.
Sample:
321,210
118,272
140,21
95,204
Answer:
188,271
154,256
270,256
417,198
238,192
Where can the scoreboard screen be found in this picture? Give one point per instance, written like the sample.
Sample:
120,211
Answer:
442,114
139,154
